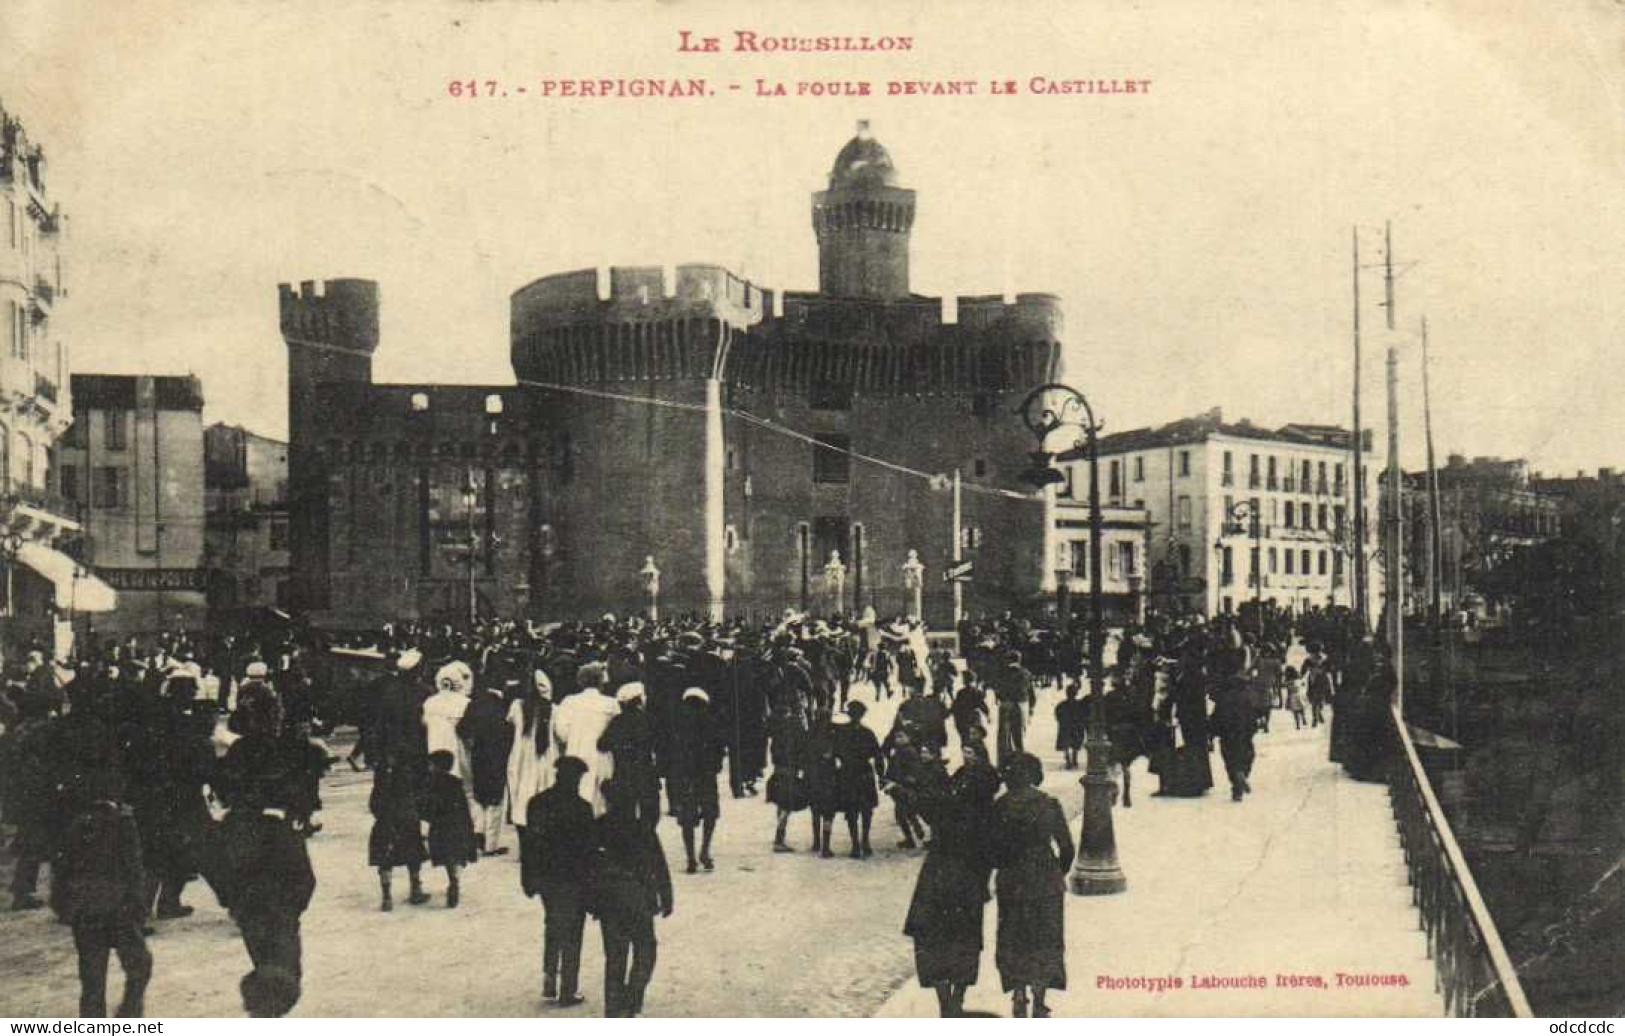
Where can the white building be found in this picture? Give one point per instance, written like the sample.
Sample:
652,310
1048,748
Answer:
42,586
1125,540
1240,512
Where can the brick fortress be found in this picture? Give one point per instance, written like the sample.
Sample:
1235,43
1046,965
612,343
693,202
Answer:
702,423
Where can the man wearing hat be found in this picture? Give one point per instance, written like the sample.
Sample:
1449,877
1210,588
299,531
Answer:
485,729
630,742
696,760
1013,687
556,858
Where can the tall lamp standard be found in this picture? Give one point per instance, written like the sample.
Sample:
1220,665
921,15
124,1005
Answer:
471,499
1064,424
1247,511
10,545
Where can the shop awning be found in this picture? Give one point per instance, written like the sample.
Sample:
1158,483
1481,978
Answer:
77,588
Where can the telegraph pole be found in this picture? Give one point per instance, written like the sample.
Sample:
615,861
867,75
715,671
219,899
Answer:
1360,606
1435,517
958,555
1394,545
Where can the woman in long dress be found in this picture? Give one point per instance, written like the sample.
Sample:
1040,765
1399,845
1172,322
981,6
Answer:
945,914
530,769
1035,852
579,723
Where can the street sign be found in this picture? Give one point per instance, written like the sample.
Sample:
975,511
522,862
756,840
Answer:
959,573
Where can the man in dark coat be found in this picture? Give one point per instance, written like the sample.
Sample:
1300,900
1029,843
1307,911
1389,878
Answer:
258,864
396,748
99,888
489,736
1013,686
691,784
31,796
556,855
631,884
1235,721
630,741
923,718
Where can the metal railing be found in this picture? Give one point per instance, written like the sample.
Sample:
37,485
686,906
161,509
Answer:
41,499
1471,967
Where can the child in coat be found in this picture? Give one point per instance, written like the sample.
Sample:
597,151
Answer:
1294,696
451,826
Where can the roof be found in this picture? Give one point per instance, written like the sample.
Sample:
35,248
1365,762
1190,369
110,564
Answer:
1199,429
863,162
119,391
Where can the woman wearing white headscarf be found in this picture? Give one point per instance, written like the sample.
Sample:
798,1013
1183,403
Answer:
579,722
530,766
454,683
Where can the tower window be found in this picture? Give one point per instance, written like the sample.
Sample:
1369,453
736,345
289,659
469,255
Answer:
831,462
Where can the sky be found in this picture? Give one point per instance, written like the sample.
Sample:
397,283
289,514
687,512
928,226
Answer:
1199,234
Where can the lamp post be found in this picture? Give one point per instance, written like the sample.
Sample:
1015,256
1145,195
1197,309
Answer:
470,500
1064,424
1245,511
650,575
914,582
10,545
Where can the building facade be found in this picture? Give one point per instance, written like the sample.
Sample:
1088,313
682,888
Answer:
134,460
42,586
759,450
246,526
1125,546
1489,508
1240,512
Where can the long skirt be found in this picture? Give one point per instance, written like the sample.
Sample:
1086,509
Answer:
947,960
1031,949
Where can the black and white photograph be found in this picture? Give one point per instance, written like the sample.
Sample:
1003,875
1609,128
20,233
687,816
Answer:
712,510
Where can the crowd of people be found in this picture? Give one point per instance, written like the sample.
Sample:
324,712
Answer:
584,737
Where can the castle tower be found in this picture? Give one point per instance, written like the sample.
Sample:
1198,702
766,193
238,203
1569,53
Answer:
862,223
331,332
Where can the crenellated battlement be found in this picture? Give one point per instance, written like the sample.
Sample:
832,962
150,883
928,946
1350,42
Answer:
637,293
342,312
889,209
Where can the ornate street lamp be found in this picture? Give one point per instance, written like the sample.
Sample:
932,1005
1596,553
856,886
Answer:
10,545
914,582
1244,511
1064,424
650,575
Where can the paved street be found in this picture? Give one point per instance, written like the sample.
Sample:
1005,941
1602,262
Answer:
1303,877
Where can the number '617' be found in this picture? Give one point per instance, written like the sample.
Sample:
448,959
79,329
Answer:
472,88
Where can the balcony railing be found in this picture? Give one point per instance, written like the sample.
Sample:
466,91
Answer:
45,290
1320,488
1227,479
1286,484
1253,481
41,500
1474,972
1273,483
